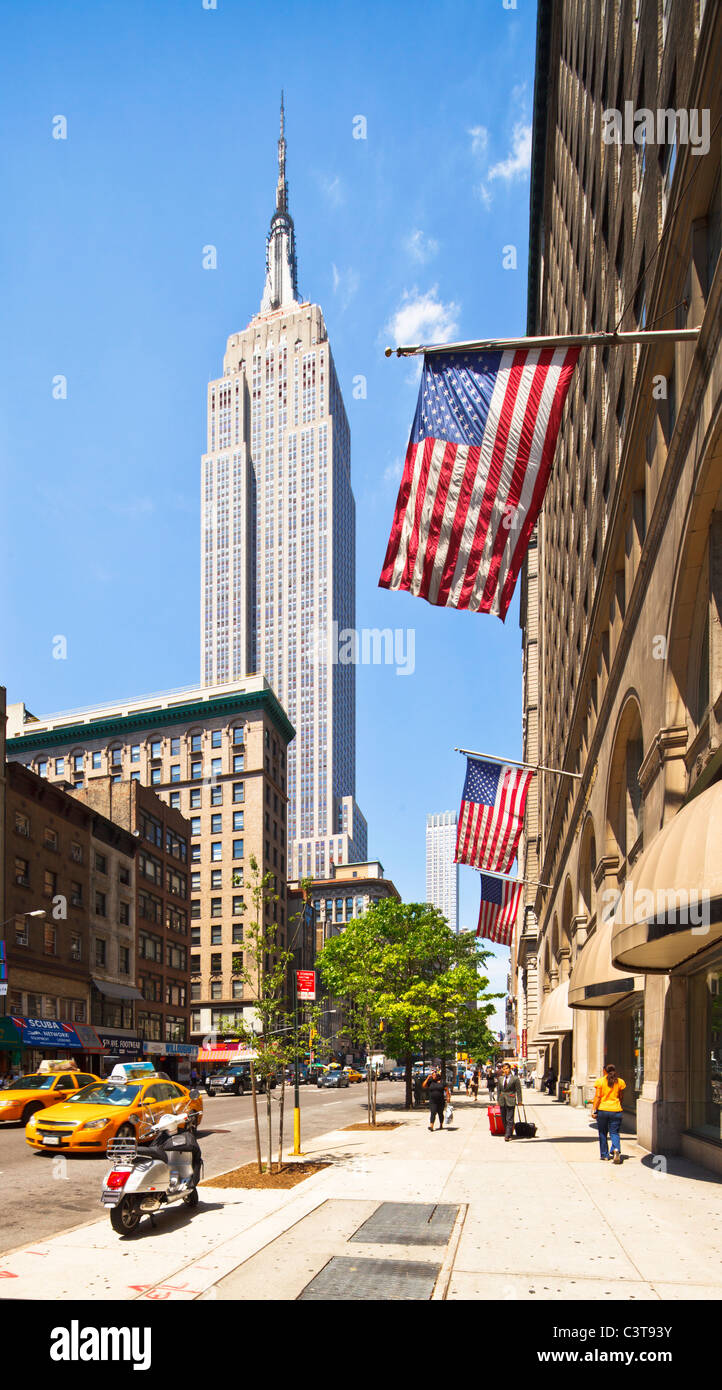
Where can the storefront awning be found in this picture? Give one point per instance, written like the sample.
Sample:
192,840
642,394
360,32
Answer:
595,983
113,991
225,1054
672,908
89,1040
555,1016
48,1032
10,1033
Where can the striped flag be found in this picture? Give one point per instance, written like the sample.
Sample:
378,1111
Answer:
491,815
499,906
477,467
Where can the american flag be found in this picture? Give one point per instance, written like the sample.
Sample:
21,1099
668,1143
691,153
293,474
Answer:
491,815
477,467
499,906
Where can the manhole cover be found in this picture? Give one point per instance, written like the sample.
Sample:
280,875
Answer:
408,1223
346,1279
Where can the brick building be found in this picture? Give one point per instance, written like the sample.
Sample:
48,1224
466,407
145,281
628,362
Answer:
218,755
152,936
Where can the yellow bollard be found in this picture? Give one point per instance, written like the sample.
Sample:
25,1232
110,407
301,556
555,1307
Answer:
296,1130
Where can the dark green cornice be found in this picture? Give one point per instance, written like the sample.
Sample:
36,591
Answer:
197,712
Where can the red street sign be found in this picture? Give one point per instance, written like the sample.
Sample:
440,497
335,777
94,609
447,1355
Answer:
306,984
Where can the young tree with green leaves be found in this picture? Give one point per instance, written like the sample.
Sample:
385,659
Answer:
402,964
265,971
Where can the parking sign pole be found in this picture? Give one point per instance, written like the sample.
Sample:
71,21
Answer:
296,1097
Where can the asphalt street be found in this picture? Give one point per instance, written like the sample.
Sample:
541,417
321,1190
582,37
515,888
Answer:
42,1194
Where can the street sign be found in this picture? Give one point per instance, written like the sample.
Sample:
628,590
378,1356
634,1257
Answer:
306,984
3,986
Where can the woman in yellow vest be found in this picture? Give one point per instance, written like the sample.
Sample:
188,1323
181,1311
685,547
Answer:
607,1111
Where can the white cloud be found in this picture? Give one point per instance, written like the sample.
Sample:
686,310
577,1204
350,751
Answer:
345,284
516,165
332,189
392,474
421,248
423,318
485,195
479,139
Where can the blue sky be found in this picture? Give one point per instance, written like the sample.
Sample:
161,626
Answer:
172,122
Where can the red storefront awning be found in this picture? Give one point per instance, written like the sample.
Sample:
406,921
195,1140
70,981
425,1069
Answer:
225,1054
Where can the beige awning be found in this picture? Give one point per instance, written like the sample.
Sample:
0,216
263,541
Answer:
595,983
555,1016
672,908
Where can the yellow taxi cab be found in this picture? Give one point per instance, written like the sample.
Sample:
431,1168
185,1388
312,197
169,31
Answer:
51,1083
118,1108
353,1074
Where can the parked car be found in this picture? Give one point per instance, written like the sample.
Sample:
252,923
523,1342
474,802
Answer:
52,1084
303,1076
332,1078
111,1109
234,1080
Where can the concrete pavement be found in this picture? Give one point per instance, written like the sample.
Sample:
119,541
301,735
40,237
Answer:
44,1194
539,1219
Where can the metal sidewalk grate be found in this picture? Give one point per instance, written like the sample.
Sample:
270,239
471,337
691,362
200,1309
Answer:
408,1223
349,1280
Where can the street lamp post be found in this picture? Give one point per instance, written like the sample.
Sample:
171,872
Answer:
36,912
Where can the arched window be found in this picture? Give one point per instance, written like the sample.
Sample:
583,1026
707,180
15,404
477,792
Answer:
624,793
587,865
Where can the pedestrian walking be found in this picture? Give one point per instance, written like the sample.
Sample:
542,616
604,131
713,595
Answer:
438,1092
490,1084
418,1098
607,1111
475,1083
509,1095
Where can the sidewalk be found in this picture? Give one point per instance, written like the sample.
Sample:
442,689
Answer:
455,1215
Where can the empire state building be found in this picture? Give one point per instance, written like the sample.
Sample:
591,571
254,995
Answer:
278,545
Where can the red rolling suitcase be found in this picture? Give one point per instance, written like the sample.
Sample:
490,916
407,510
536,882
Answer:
495,1121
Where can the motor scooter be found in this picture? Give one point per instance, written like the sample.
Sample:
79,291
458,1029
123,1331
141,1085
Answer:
145,1177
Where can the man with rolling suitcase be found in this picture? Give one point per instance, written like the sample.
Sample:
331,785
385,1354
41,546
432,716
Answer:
508,1094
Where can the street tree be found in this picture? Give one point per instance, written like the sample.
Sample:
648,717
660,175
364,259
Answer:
265,970
401,967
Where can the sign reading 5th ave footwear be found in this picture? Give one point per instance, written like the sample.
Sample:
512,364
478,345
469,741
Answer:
306,984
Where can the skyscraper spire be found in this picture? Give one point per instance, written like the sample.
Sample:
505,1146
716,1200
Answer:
281,287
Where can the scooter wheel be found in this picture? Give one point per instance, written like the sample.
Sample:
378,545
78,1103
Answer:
191,1199
125,1218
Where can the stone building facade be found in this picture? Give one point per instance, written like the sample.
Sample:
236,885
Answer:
218,755
622,592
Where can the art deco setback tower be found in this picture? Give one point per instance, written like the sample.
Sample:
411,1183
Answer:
278,545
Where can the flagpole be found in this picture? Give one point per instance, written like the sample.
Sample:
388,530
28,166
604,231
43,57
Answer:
649,335
533,767
506,878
